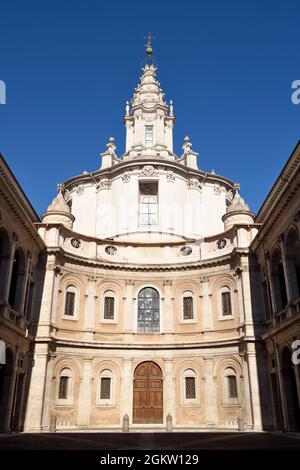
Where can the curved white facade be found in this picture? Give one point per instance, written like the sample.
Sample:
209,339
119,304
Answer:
189,203
147,278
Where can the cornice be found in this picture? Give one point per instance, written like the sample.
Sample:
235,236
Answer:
282,183
110,241
277,211
231,230
15,198
126,267
115,170
97,345
14,187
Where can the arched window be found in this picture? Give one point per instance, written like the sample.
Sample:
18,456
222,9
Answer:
189,388
17,280
148,310
65,386
4,261
109,306
106,387
225,303
70,307
188,306
189,385
230,385
278,280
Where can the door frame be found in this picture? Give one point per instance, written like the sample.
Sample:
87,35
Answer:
161,378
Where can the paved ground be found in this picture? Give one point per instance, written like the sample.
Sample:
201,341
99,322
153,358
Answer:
150,441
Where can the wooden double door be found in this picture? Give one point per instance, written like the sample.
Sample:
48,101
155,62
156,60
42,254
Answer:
148,394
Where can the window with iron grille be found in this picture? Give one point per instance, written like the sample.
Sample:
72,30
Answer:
232,386
105,388
63,387
109,308
70,304
188,311
190,387
226,304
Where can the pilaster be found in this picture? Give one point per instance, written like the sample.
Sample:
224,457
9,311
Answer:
206,297
210,392
84,402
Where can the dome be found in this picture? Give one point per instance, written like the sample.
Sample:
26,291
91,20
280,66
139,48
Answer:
238,212
59,205
238,204
59,212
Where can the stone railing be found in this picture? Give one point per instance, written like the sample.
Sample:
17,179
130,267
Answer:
13,316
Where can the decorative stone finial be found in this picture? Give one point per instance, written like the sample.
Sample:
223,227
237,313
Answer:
149,48
109,157
171,108
127,108
111,147
187,144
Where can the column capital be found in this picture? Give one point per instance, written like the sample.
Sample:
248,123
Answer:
88,359
208,358
168,359
127,359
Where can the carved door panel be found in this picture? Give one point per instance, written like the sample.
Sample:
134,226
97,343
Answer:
148,394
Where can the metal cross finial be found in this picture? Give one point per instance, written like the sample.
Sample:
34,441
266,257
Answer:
148,46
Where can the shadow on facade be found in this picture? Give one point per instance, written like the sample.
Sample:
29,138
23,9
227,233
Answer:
275,309
15,374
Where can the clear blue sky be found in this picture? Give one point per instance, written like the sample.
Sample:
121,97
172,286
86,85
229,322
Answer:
69,67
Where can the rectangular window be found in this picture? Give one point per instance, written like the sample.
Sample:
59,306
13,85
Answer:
148,204
190,387
188,313
226,304
63,387
105,388
232,388
109,308
148,136
70,304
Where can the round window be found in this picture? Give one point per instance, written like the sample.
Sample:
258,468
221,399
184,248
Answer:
186,250
111,250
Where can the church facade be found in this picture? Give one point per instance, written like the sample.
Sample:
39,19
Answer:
149,310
